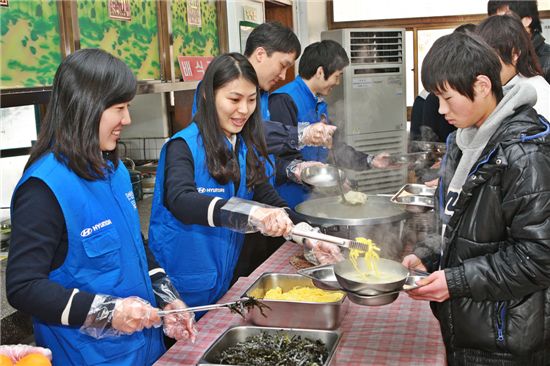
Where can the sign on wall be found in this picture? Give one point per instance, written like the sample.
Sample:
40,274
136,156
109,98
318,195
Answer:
194,13
193,67
120,9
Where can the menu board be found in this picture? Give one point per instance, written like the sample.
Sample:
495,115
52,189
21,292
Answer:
133,37
189,38
30,45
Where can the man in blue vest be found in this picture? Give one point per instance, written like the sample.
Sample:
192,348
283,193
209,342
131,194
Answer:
300,103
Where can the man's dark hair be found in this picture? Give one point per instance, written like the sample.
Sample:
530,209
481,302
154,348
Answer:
493,6
507,36
456,60
467,27
330,55
86,83
222,164
273,37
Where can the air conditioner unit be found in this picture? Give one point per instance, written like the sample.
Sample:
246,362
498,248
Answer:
369,105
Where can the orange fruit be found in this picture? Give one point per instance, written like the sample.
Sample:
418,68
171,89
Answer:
34,359
5,361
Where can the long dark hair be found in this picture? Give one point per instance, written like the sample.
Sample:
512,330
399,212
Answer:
222,163
86,83
507,36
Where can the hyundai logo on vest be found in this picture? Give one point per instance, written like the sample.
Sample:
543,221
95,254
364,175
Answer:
89,230
210,190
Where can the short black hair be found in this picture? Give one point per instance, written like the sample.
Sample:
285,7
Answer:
457,59
507,36
273,37
493,6
328,54
86,83
466,27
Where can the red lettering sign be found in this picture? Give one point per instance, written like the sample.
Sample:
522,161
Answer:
193,67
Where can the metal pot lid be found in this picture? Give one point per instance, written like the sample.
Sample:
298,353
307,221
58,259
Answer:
329,211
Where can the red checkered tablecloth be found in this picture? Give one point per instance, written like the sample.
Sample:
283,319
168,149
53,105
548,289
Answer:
402,333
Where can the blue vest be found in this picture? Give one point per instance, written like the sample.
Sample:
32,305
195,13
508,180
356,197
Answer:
105,256
310,110
200,260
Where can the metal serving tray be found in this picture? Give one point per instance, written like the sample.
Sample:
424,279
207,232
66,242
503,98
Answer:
293,314
238,334
415,197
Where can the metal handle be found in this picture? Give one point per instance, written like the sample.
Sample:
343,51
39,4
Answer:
197,308
320,236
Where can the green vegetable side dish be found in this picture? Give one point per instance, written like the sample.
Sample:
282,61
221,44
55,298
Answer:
248,304
275,349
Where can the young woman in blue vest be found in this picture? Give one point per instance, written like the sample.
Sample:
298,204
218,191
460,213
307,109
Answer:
301,103
77,261
209,178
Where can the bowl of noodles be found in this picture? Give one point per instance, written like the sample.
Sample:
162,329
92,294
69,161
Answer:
365,273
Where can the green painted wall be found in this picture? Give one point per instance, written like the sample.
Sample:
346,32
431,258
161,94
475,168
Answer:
192,40
135,41
29,43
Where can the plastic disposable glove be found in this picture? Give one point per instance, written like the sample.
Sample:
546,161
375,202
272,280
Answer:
381,160
296,167
270,221
110,316
181,325
317,134
316,251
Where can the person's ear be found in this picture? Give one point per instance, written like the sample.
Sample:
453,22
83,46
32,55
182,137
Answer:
320,73
515,56
259,54
526,21
483,86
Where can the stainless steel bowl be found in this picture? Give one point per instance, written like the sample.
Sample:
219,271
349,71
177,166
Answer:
293,314
375,300
322,277
346,276
322,176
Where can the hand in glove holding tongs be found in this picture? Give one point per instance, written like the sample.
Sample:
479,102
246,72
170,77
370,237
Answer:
317,251
177,325
316,134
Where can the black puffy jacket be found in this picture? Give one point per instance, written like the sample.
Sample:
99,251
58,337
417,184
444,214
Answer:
497,251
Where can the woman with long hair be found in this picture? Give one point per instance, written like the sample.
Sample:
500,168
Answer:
77,261
508,37
210,182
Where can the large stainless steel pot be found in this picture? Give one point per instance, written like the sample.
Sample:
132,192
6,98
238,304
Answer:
378,219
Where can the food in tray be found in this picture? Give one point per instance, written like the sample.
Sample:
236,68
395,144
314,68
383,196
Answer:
303,294
355,198
275,349
248,304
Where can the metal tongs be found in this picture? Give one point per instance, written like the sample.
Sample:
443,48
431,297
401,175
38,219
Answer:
205,307
341,242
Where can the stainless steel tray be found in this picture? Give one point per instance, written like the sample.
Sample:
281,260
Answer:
293,314
238,334
415,197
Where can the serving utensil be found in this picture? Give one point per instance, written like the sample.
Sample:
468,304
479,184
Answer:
341,242
340,184
206,307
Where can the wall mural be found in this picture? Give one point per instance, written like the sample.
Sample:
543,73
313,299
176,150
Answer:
134,41
29,43
191,40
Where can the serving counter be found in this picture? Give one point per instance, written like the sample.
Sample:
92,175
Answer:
402,333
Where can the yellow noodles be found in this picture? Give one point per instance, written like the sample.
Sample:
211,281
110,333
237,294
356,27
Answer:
371,258
303,294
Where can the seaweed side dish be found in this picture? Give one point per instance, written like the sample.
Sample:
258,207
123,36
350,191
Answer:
280,348
248,303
